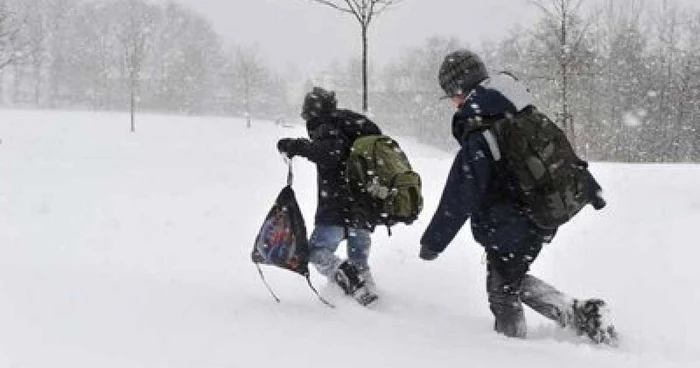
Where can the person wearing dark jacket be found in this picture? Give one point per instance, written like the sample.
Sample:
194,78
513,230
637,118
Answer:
338,215
479,188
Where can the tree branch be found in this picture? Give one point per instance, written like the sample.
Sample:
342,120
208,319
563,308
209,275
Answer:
363,10
335,6
542,7
384,5
357,11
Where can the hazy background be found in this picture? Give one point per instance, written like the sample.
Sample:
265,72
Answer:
622,81
309,36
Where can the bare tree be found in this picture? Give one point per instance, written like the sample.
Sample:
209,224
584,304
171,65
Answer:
622,76
37,39
668,51
249,74
11,25
59,49
184,63
564,38
134,36
364,12
12,44
691,131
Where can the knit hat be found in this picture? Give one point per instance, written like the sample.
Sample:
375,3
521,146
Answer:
318,102
460,72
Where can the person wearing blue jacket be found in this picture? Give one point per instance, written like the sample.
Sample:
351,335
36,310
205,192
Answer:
479,188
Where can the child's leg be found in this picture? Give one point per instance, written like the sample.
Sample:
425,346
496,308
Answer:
359,244
323,243
504,282
546,300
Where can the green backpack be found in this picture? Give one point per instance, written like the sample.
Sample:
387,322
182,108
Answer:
379,173
552,181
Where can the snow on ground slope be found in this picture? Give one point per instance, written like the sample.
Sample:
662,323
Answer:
133,250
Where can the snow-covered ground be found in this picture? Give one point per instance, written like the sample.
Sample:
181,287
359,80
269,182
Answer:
133,250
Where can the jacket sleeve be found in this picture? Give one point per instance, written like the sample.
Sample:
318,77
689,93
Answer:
595,192
466,186
326,149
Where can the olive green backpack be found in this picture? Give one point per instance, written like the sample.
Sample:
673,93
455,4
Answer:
379,173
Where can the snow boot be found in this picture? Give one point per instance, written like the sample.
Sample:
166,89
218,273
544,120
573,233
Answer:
592,317
371,286
349,279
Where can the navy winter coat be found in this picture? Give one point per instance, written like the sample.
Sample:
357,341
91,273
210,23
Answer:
478,187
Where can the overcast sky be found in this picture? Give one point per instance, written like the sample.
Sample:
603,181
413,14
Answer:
311,36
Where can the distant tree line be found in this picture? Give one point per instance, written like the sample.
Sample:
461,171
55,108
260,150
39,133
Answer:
621,77
112,55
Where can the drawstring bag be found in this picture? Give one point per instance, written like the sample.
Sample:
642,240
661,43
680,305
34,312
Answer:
282,239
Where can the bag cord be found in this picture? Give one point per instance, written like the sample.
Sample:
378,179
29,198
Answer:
262,276
326,302
308,280
290,174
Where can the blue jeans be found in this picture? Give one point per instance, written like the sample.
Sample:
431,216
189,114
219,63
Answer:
324,242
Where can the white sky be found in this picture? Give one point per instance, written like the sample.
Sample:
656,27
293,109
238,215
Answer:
310,36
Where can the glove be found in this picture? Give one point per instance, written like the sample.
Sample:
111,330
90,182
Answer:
427,254
598,201
290,146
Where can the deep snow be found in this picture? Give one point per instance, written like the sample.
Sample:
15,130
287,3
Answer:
133,250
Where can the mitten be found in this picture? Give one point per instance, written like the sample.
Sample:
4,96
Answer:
427,254
289,146
598,201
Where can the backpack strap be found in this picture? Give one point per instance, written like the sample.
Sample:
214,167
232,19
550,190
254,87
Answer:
493,144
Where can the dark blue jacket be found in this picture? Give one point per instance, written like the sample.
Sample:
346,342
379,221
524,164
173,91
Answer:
478,187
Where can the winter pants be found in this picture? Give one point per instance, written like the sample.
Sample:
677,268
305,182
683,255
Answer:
509,286
325,240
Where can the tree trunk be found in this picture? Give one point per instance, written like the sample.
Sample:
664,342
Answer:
16,85
364,69
2,87
567,123
133,106
37,84
247,102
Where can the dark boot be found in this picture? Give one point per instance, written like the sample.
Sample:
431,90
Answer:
592,317
348,278
586,317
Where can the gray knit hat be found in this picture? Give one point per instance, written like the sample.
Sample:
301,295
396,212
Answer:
461,72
